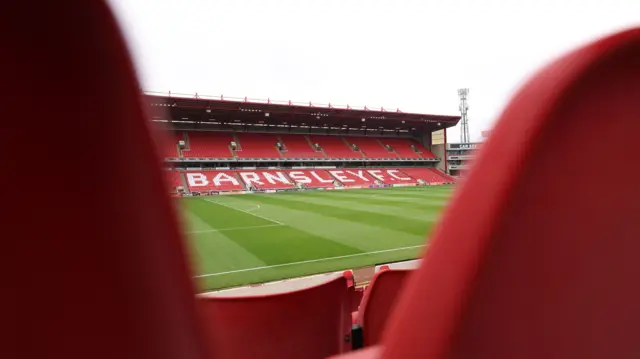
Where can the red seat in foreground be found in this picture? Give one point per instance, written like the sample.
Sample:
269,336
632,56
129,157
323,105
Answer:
378,303
545,264
98,270
310,323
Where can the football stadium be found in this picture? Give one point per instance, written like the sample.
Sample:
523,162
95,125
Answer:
182,226
276,190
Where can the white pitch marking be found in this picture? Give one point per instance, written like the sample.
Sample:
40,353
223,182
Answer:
247,212
305,262
233,228
257,206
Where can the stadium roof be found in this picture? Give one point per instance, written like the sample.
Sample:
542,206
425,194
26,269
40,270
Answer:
220,109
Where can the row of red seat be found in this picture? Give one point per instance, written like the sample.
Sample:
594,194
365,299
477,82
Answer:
235,180
263,145
316,322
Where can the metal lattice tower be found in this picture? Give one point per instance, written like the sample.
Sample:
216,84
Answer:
464,107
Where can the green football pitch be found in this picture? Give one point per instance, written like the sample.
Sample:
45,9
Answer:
254,238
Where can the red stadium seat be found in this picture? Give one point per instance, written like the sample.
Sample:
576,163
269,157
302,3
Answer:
353,176
174,180
378,302
312,178
402,147
545,264
170,145
208,144
358,294
391,176
309,323
97,269
371,147
257,145
424,152
429,175
299,147
200,181
335,147
266,179
445,176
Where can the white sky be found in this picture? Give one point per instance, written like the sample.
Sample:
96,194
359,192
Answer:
407,54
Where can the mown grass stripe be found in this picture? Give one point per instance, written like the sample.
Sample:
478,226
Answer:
214,251
245,211
358,235
407,225
306,262
426,213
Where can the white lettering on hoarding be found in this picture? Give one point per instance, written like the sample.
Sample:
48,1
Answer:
360,174
223,177
377,174
339,175
251,177
299,177
314,174
197,180
392,174
278,176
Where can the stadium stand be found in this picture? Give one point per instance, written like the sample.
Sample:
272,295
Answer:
257,145
379,299
263,179
174,179
429,175
424,152
370,147
212,144
235,180
199,181
390,175
208,145
170,145
447,178
312,178
298,146
335,147
402,147
309,323
353,176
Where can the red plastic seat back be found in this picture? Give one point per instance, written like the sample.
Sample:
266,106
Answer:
356,298
378,303
92,263
547,261
309,323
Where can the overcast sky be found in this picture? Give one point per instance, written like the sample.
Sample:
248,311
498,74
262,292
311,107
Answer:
407,54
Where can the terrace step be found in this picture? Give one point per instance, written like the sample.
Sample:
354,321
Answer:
244,185
183,180
284,146
237,141
351,148
187,143
392,150
311,144
185,138
238,146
